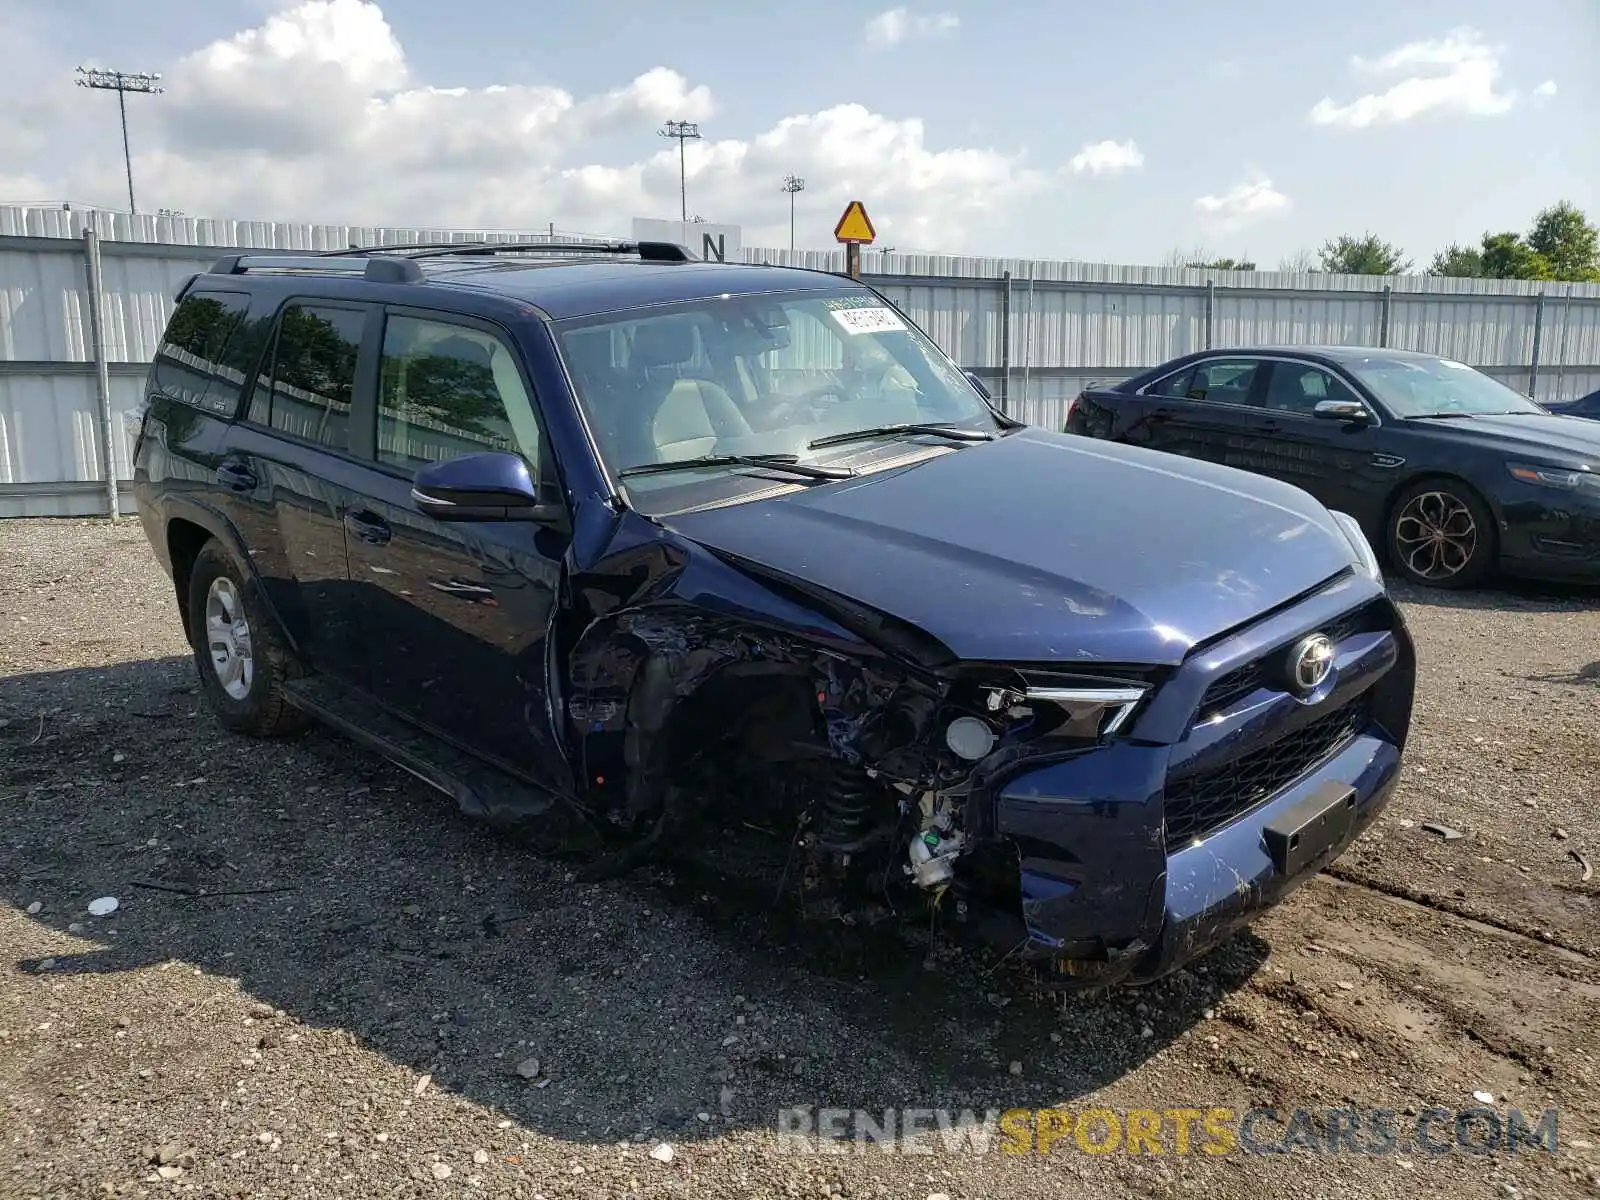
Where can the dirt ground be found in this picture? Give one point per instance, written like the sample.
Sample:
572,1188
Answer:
322,981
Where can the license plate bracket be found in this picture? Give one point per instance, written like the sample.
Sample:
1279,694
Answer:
1303,834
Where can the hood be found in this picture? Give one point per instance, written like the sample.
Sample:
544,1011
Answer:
1045,547
1552,433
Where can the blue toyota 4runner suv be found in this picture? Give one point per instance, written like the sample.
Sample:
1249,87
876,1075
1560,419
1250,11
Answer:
644,554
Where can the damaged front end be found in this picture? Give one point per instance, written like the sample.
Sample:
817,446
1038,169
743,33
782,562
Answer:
826,750
1106,822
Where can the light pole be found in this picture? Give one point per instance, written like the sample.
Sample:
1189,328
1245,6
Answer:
792,184
121,82
684,131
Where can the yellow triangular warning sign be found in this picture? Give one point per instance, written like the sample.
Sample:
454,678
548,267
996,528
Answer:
855,225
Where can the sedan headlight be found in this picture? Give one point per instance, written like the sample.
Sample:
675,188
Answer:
1366,558
1556,477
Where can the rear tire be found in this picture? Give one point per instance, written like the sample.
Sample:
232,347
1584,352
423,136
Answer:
240,654
1441,534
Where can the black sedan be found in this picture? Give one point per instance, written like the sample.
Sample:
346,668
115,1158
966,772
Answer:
1450,472
1583,406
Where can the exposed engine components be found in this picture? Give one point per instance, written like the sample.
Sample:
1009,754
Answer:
934,849
933,855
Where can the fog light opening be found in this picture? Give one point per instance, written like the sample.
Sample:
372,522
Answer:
969,738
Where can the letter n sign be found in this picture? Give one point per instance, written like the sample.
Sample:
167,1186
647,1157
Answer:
714,248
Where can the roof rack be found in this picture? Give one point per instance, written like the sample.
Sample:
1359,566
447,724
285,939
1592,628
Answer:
373,270
647,251
393,264
391,248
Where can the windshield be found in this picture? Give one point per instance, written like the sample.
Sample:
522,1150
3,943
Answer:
745,376
1437,387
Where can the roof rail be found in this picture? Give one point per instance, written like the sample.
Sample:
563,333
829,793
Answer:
398,264
373,270
395,247
647,251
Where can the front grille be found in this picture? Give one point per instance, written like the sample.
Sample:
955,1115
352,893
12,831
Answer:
1241,681
1201,803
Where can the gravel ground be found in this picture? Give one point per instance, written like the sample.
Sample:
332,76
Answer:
346,1008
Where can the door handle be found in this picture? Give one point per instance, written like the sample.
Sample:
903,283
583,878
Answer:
462,589
236,477
369,527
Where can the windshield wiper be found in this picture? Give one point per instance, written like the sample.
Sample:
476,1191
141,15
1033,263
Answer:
1451,416
778,462
953,432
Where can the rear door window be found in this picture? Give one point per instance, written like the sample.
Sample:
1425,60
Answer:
196,364
307,387
1176,384
1224,380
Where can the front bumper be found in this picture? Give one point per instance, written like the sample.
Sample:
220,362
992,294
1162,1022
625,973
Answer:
1138,857
1552,535
1215,887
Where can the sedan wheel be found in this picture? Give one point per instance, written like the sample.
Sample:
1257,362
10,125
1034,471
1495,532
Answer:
1441,536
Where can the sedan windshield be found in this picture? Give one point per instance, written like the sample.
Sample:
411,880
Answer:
812,378
1437,387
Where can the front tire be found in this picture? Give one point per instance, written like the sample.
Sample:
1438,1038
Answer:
242,658
1442,535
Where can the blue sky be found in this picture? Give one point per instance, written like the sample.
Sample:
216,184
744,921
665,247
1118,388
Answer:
1486,112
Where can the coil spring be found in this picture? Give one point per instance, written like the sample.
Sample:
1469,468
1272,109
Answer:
845,812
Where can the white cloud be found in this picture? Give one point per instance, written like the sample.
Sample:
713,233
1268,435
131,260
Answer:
1244,204
1547,88
1107,158
897,25
1457,74
317,115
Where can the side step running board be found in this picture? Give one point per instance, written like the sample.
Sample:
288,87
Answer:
479,788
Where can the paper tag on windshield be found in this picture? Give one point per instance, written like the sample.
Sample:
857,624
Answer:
868,320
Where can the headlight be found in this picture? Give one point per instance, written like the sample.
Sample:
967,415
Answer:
1088,712
1366,559
1556,477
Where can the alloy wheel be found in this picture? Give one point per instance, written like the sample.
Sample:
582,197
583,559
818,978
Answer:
1436,536
228,638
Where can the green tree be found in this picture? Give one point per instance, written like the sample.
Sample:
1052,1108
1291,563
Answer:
1224,264
1365,255
1507,256
1461,261
1567,241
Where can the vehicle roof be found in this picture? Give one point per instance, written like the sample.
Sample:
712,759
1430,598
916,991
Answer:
1334,355
563,288
1331,353
566,289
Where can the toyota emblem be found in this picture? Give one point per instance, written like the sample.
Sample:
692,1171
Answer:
1310,663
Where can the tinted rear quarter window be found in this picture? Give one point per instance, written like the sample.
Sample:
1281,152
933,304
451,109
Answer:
199,359
306,388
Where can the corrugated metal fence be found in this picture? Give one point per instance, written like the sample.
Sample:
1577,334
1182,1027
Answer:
1037,332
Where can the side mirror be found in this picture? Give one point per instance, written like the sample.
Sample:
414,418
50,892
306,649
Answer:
1352,412
972,378
495,486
